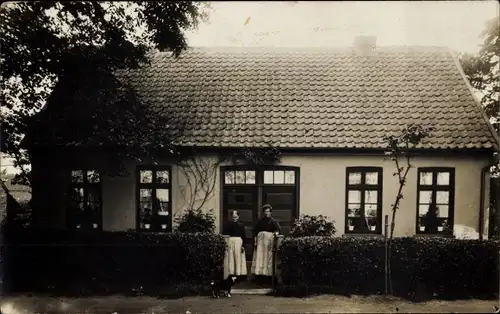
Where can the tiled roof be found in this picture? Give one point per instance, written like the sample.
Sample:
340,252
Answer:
312,97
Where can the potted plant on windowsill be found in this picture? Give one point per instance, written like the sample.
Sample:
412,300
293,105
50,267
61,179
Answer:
147,220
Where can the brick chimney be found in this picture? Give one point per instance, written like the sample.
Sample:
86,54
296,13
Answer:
365,45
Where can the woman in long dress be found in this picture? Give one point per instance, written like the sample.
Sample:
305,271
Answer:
234,260
265,230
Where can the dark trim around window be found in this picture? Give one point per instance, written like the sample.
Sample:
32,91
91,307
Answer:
84,182
432,224
363,226
159,220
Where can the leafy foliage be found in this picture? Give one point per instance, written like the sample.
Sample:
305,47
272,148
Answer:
424,267
47,45
127,263
258,156
483,69
306,226
196,220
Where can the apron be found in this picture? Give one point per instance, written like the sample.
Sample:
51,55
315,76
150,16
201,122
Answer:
234,260
262,261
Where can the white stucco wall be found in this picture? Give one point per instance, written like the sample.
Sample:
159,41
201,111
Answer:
322,190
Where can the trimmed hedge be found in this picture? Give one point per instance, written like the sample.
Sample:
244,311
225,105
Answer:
110,262
421,266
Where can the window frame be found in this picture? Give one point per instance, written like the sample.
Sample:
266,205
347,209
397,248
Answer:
71,220
434,188
364,187
155,222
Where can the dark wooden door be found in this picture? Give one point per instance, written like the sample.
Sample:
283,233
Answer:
283,199
244,199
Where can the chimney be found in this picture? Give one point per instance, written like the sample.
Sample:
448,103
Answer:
365,45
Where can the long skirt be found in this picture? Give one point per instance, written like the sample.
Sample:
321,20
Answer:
234,261
262,262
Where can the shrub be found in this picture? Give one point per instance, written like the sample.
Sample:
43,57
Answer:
442,267
110,262
196,221
307,226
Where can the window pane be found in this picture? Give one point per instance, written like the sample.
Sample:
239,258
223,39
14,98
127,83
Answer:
250,177
77,176
93,176
279,177
145,195
290,177
426,178
443,178
229,177
146,176
162,176
268,177
425,197
442,211
423,209
371,178
354,197
145,209
371,197
355,178
162,195
93,195
77,194
353,210
351,222
240,177
370,210
163,209
442,197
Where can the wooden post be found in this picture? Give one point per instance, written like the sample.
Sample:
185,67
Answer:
274,259
386,225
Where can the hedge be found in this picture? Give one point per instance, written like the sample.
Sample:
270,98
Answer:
421,266
109,262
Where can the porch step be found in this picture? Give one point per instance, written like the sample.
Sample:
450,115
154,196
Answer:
261,291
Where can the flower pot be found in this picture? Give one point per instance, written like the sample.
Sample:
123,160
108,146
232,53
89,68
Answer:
164,226
95,226
351,228
147,226
162,213
372,228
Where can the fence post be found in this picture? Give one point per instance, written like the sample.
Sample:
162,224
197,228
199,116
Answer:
386,225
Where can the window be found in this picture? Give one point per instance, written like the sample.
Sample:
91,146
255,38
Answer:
363,200
279,177
239,177
435,200
85,201
154,208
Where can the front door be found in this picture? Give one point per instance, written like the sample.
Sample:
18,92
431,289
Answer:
247,189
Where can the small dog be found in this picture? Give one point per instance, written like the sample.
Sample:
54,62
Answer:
222,285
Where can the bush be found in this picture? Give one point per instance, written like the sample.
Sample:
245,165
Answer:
63,262
441,267
196,221
308,226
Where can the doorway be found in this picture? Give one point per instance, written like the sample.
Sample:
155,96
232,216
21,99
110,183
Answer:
246,189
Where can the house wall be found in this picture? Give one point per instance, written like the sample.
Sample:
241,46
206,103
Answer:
322,191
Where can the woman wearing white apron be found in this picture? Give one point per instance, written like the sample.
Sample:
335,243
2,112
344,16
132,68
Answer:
264,232
234,260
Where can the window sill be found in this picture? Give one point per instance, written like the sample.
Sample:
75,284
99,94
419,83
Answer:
363,235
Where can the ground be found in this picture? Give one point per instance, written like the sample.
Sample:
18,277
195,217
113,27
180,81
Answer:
238,304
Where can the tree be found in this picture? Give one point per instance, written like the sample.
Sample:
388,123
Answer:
483,71
73,48
397,149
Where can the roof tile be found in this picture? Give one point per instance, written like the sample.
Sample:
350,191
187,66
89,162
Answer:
235,97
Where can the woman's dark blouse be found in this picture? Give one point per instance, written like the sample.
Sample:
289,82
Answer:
234,229
267,224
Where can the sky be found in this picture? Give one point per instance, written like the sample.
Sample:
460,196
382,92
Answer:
455,24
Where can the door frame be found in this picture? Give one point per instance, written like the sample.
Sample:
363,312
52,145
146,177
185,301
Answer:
259,182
